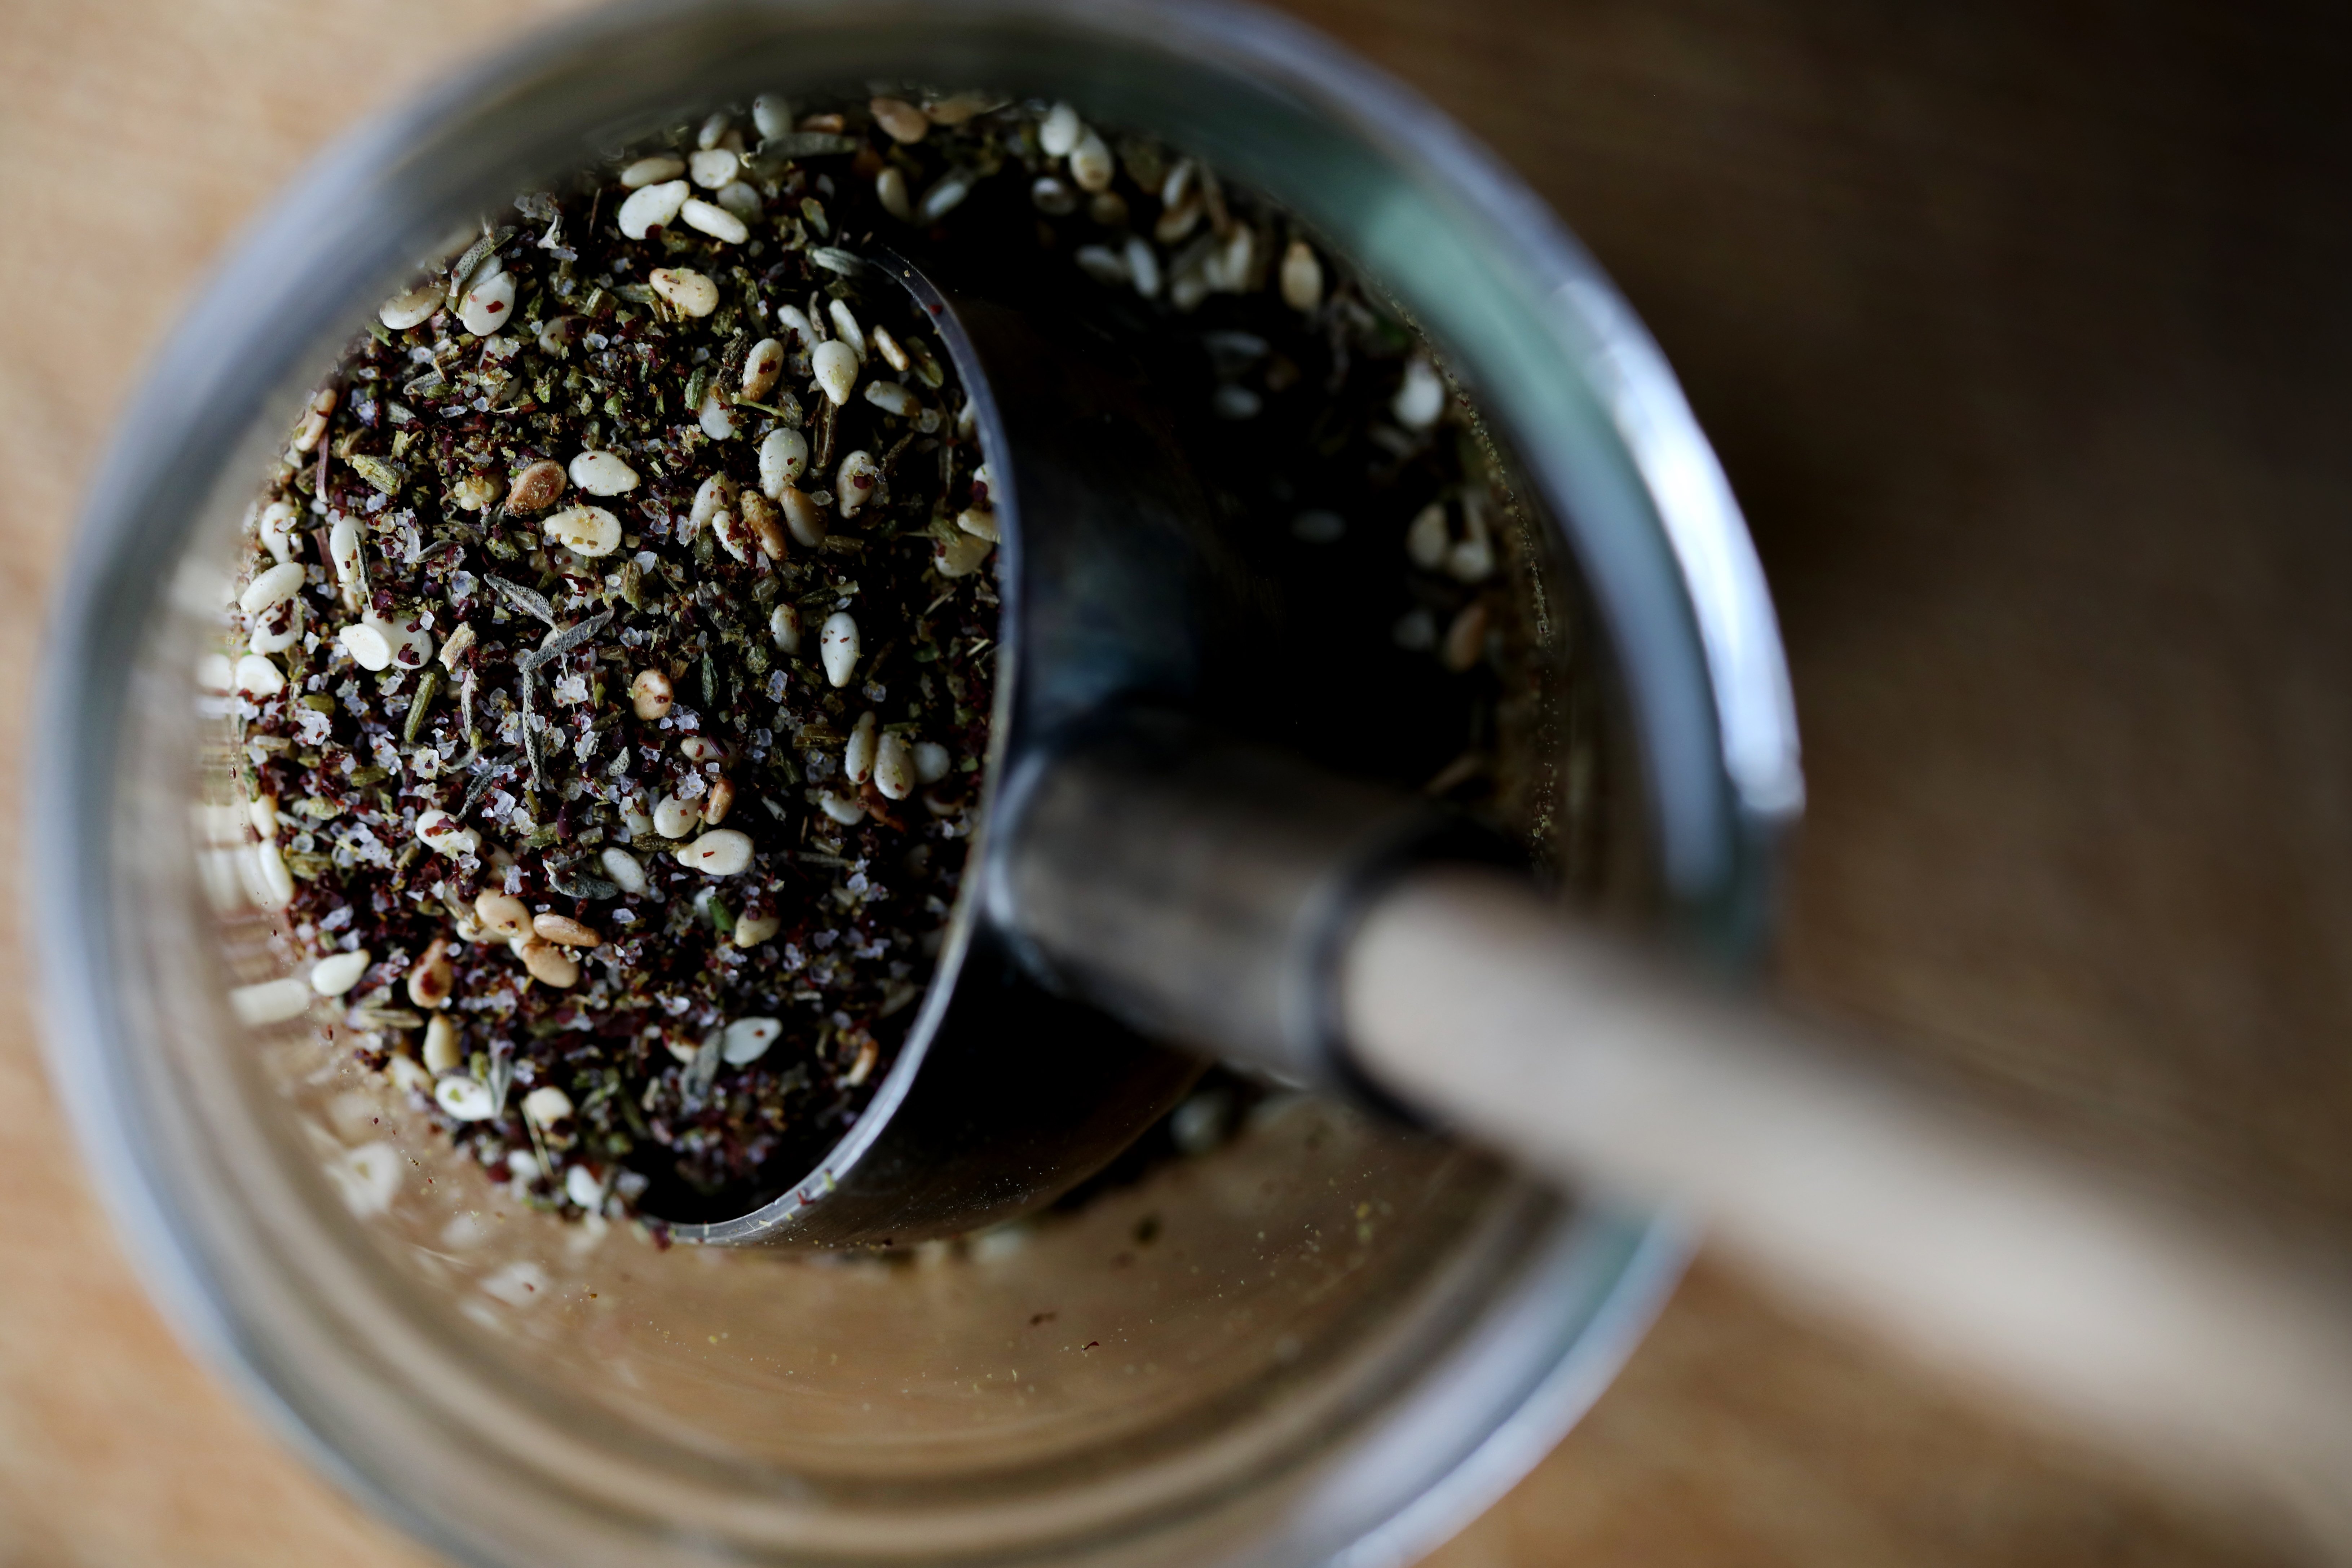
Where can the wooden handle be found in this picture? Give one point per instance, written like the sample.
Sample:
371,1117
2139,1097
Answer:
2167,1333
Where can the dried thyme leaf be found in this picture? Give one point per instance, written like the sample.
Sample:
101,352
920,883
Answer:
559,643
574,883
462,274
501,1080
530,601
428,687
533,746
387,477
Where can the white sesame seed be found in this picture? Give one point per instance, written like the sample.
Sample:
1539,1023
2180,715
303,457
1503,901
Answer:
271,588
892,398
583,1187
689,292
265,640
1465,639
980,523
751,931
338,971
784,627
762,367
343,550
961,556
857,756
464,1099
716,495
1302,278
475,492
890,190
1060,131
653,171
1101,263
836,643
894,768
271,1002
502,913
276,526
795,321
410,307
784,457
716,418
1090,162
772,115
1472,559
441,1049
845,327
546,1105
945,194
715,221
487,304
899,119
590,529
931,762
1176,222
721,852
549,965
840,809
713,131
713,167
1052,197
1229,265
854,482
748,1040
564,932
1421,397
1232,402
742,199
369,642
674,818
258,676
1143,266
603,473
655,206
625,870
835,364
445,834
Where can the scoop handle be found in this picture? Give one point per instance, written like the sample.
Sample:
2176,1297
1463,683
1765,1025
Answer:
2170,1334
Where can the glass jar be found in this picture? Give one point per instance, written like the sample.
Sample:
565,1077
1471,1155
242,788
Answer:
1329,1339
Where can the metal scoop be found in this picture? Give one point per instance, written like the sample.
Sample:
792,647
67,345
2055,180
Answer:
1036,1057
1145,876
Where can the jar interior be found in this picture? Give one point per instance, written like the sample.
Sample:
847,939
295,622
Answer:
1276,1347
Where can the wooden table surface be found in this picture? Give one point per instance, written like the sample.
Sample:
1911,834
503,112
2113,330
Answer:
2021,328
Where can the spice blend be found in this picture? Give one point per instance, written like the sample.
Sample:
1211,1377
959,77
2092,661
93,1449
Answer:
617,677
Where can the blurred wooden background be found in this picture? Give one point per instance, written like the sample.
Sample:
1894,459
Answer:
2023,329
